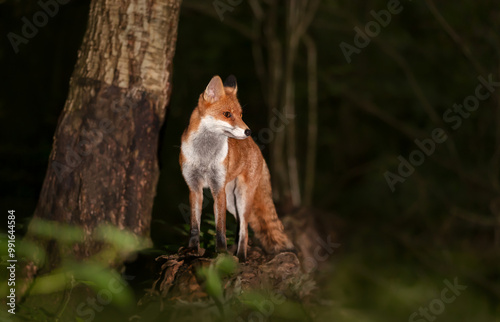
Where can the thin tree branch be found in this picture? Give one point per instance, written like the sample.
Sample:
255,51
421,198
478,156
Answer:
495,159
257,47
312,73
292,21
474,218
275,76
456,38
419,93
256,9
310,8
412,80
372,109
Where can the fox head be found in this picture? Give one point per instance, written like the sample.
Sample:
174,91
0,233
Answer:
220,110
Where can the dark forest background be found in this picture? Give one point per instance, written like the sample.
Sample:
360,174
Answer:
397,247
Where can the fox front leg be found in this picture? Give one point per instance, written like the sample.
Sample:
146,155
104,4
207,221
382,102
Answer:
220,220
196,200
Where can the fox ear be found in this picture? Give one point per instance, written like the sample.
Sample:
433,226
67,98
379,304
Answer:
214,90
230,84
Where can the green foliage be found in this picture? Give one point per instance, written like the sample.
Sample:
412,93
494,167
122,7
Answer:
71,274
122,240
223,265
394,292
63,233
99,277
56,281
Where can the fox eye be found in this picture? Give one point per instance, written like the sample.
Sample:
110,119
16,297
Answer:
227,114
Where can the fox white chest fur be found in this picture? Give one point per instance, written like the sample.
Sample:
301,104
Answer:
205,152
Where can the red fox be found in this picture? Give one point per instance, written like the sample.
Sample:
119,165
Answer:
217,152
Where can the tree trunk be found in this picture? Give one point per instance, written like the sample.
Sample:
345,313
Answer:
103,167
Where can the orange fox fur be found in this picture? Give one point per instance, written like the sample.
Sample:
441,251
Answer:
217,152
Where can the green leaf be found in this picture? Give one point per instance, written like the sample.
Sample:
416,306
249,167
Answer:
54,230
51,283
226,265
213,283
104,280
32,251
120,239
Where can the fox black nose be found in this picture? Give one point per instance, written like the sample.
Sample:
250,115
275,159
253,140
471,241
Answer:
248,132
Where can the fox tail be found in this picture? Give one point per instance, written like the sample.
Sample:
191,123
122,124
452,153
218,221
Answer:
264,220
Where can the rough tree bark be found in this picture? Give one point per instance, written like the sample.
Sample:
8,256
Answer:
103,166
